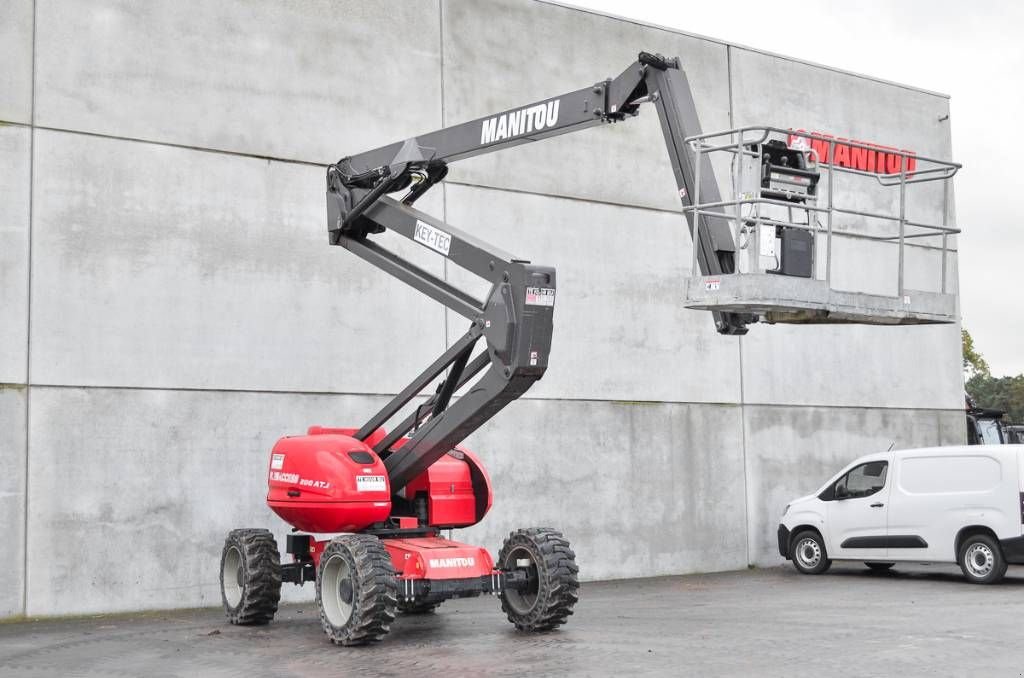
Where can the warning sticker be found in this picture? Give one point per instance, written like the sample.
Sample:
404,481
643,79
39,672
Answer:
371,484
434,238
277,462
540,296
711,284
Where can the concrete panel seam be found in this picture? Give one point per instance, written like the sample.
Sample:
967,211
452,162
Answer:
743,447
187,147
739,349
444,123
306,163
720,41
28,317
611,400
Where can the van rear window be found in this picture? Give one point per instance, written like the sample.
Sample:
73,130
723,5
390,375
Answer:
943,475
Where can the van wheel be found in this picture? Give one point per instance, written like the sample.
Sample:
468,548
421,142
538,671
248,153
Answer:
981,559
807,551
879,567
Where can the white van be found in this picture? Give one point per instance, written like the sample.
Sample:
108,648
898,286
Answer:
961,505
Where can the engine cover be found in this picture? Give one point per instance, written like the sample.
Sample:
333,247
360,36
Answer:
328,481
457,489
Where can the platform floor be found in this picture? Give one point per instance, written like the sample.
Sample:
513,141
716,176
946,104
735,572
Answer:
770,622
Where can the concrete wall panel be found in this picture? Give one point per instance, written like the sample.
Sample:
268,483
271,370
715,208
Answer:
165,474
792,452
568,50
621,331
639,489
14,240
307,80
166,267
12,499
853,365
16,57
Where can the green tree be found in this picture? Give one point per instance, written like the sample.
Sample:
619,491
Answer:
974,364
1001,393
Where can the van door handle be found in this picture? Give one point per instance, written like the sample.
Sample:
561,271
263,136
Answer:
877,504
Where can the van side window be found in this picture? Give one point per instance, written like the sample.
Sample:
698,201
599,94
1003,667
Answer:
861,481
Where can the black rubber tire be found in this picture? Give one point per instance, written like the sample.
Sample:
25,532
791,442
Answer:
556,588
372,589
880,567
989,546
256,589
822,563
416,608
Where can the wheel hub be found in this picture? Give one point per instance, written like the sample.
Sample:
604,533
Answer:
980,560
338,591
808,553
231,576
525,599
345,591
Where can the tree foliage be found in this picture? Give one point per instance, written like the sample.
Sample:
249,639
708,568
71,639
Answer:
1001,393
974,363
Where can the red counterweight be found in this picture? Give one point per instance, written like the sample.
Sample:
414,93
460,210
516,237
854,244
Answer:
327,481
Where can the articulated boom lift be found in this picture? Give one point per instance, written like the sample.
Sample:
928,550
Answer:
392,492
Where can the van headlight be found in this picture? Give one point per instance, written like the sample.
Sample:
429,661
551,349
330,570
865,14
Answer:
786,510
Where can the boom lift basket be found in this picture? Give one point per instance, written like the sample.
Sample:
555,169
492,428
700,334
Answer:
790,213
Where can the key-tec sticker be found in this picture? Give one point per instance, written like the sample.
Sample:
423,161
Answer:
277,462
711,284
540,296
370,484
434,238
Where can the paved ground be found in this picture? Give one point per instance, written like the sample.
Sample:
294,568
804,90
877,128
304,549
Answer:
754,623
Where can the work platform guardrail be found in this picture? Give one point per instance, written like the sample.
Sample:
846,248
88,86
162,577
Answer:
780,298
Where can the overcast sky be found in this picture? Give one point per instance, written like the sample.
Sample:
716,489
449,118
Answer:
973,51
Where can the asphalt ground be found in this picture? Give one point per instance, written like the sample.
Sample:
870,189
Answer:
924,621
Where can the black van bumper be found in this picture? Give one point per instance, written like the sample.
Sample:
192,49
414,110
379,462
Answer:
784,542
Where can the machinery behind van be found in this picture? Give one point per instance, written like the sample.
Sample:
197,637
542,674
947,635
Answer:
961,505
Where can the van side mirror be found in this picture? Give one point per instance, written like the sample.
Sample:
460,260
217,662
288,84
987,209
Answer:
842,492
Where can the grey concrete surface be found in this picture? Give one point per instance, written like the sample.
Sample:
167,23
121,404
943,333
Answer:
773,623
854,365
12,498
621,331
16,57
791,452
191,269
186,309
14,237
638,488
310,80
162,474
626,163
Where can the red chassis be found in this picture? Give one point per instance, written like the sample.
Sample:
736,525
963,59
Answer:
392,557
